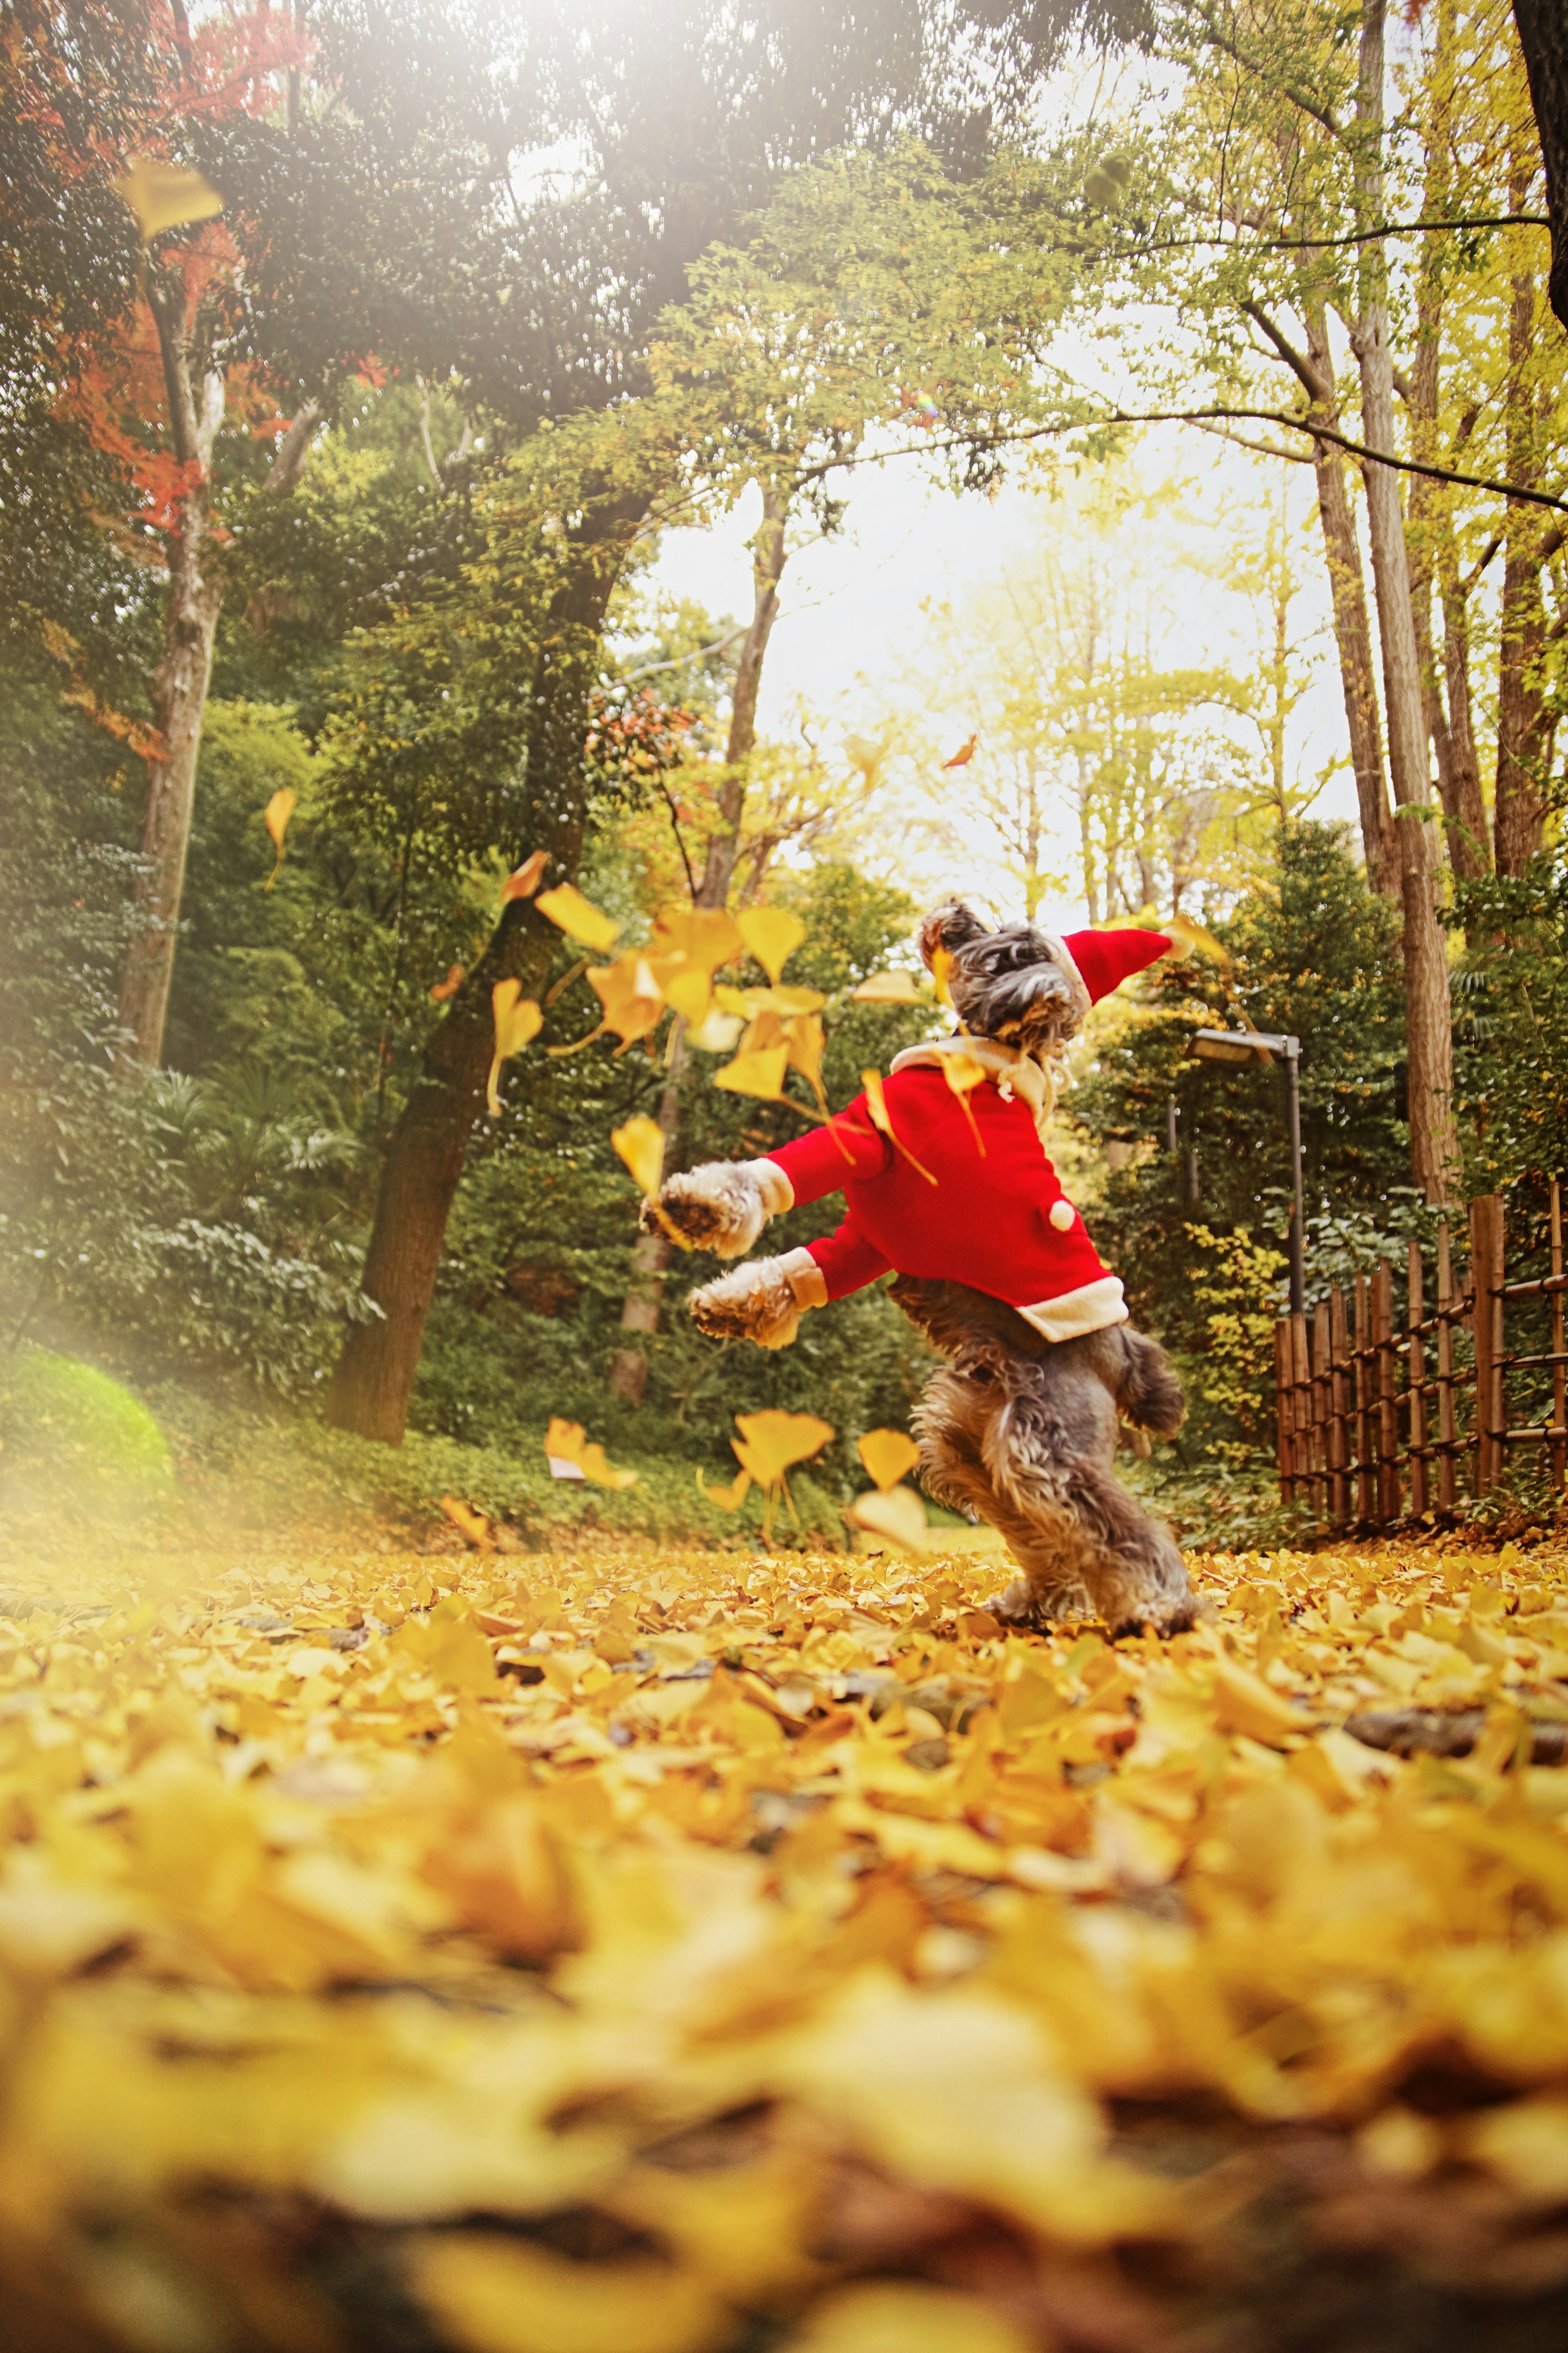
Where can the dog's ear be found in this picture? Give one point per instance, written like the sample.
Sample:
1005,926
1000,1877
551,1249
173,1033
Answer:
951,927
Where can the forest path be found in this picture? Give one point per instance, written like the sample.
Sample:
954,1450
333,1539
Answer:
650,1950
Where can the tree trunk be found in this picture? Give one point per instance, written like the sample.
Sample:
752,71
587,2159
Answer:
1434,1137
179,690
1524,722
179,681
1544,36
1445,695
1352,629
373,1381
640,1312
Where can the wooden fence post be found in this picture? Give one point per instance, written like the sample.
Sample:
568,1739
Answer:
1486,1284
1388,1497
1446,1476
1301,1390
1559,1372
1419,1483
1284,1413
1322,1407
1365,1493
1339,1426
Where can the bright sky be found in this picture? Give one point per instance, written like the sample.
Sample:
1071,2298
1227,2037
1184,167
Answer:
854,634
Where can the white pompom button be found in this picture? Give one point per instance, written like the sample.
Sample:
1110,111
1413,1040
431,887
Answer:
1062,1215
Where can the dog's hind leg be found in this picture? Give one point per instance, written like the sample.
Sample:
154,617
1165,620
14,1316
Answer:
1047,1451
953,1421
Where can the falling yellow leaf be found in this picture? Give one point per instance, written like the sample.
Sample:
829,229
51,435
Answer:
595,1466
690,993
442,990
877,1103
275,817
964,1073
703,937
772,935
566,907
898,1515
165,195
730,1498
1192,940
888,988
769,1442
517,1019
964,754
524,879
474,1524
632,999
887,1454
640,1144
567,1442
757,1073
941,966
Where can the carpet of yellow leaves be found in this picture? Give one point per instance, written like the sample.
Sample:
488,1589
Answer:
646,1953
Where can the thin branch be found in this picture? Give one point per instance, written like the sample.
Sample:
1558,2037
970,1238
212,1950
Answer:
1260,448
294,449
1480,564
1197,416
1302,244
1307,375
424,430
680,660
679,837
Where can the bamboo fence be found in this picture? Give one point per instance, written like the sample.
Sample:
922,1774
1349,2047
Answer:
1380,1421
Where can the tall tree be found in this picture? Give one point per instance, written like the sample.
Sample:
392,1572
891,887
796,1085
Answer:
683,129
1543,37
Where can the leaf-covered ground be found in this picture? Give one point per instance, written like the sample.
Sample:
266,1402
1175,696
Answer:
644,1952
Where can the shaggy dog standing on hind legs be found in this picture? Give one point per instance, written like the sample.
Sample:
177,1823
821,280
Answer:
947,1181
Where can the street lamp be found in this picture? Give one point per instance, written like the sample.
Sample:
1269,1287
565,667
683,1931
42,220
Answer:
1244,1047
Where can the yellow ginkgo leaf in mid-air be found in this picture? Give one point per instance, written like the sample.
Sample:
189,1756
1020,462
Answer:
517,1019
772,935
567,1442
964,1073
524,879
877,1104
728,1499
578,917
888,988
593,1464
1192,940
703,937
165,195
899,1515
887,1454
760,1073
632,999
770,1442
442,990
641,1145
274,816
941,966
805,1045
474,1524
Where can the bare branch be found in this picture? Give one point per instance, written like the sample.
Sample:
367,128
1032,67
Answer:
294,450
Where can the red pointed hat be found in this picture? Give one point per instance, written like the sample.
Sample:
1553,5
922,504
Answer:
1106,958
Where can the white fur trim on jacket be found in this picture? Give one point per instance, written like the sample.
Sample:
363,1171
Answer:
805,1277
1092,1307
778,1193
1004,1065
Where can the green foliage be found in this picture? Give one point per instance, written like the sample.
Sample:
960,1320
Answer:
1511,1029
1314,955
71,1438
1235,1283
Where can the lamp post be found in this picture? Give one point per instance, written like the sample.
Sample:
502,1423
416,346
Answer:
1241,1048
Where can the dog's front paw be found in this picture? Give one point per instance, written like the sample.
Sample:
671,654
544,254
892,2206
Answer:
755,1302
719,1207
